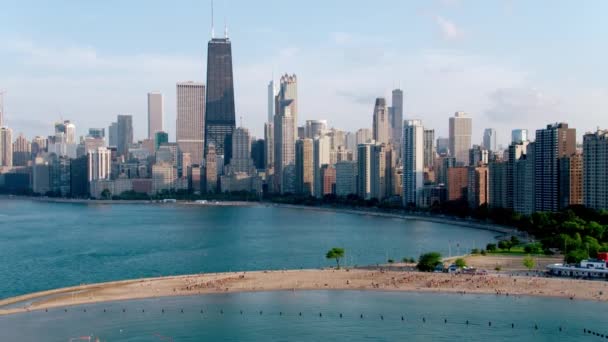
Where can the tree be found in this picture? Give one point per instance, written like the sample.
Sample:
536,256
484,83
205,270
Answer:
529,262
428,261
335,253
460,263
491,247
504,244
514,241
106,194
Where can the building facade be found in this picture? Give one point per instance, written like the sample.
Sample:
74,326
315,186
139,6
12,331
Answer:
413,158
460,137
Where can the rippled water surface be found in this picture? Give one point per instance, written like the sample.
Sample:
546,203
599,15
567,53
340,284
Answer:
50,245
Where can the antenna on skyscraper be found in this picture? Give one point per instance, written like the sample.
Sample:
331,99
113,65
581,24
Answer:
212,27
225,29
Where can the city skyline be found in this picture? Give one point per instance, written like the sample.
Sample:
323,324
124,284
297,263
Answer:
448,53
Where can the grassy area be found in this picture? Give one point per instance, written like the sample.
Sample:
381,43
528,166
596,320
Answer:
515,251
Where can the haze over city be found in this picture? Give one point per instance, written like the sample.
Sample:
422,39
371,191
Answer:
508,64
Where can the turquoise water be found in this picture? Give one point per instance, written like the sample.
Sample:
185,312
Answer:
51,245
534,319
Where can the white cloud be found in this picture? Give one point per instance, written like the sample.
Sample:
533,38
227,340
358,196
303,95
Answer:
449,30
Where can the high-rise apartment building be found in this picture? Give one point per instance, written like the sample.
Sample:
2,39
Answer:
552,143
99,164
595,170
478,186
363,136
191,119
571,180
22,151
346,178
413,159
364,170
523,182
429,148
321,156
241,161
460,137
124,138
219,121
6,146
458,182
305,167
489,139
328,180
155,113
498,185
514,154
381,125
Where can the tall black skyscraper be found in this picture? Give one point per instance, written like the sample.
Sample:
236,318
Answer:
219,110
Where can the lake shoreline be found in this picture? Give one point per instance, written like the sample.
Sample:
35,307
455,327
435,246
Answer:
307,280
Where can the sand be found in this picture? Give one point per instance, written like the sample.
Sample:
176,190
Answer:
297,280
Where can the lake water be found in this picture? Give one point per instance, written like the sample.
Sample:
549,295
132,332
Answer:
275,316
51,245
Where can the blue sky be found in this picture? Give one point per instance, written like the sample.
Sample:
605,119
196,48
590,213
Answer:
509,64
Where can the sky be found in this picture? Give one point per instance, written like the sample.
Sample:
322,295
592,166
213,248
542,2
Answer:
507,63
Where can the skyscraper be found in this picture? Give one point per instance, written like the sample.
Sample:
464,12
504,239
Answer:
219,111
113,134
413,161
284,135
595,172
288,92
305,171
460,137
552,143
518,136
1,108
68,129
364,170
489,139
321,156
397,118
124,137
6,146
315,128
271,94
161,138
191,119
381,125
155,113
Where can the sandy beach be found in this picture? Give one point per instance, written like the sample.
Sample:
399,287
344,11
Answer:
298,280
